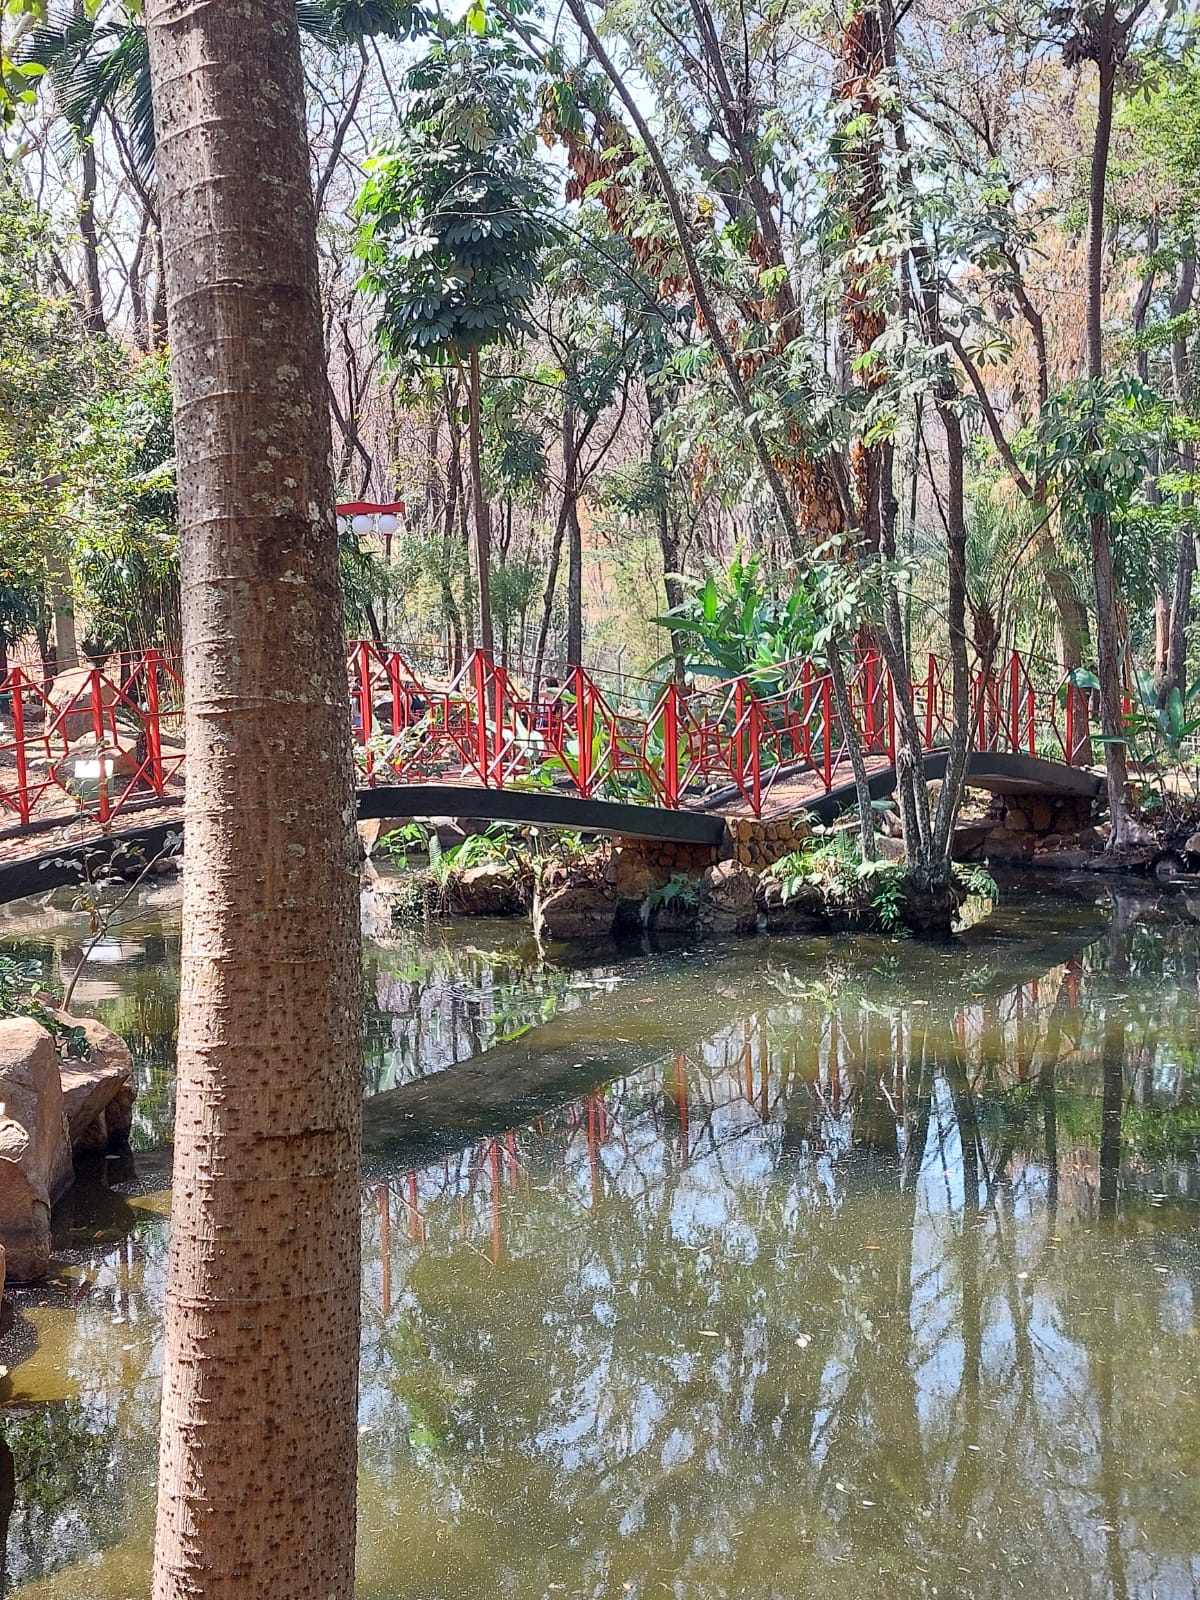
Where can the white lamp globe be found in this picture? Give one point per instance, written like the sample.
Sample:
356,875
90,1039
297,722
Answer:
361,525
387,523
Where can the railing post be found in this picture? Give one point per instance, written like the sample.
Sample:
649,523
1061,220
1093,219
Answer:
1014,673
739,732
399,721
363,692
827,715
671,748
583,734
930,683
756,795
869,701
1029,717
806,710
152,724
17,689
1070,739
98,730
891,719
479,676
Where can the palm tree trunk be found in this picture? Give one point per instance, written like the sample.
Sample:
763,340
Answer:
256,1491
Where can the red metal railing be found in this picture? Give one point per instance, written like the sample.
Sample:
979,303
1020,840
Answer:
97,741
90,742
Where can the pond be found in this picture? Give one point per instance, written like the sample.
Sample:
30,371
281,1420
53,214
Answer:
752,1271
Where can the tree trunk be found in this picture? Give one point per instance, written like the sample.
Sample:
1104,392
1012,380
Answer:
66,646
1175,674
667,542
137,287
158,307
481,529
1108,639
539,659
570,516
256,1492
574,585
93,302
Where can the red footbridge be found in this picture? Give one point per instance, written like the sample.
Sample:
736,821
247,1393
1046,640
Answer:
100,748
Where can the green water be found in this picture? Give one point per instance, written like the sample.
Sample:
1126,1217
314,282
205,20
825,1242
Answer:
785,1268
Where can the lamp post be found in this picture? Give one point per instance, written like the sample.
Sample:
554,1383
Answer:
363,517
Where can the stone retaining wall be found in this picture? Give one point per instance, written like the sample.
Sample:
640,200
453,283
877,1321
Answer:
1022,827
762,844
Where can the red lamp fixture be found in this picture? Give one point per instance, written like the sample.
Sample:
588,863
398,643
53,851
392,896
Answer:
367,515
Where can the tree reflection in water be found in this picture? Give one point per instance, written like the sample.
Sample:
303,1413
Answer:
879,1282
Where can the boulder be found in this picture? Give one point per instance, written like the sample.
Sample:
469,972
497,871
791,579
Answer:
582,912
1040,814
35,1154
803,913
634,876
677,916
98,1092
728,899
492,889
73,689
969,840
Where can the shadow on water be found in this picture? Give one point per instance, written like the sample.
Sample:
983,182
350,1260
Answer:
763,1270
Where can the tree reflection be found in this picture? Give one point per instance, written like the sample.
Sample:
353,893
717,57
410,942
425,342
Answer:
829,1301
867,1271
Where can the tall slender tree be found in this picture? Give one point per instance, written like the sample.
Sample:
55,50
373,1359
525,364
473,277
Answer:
257,1470
453,227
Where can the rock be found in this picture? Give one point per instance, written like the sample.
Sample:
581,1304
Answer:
581,912
728,899
889,849
447,832
73,689
969,840
634,875
1016,820
1063,860
1005,846
491,889
98,1092
35,1156
91,762
801,914
1192,847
